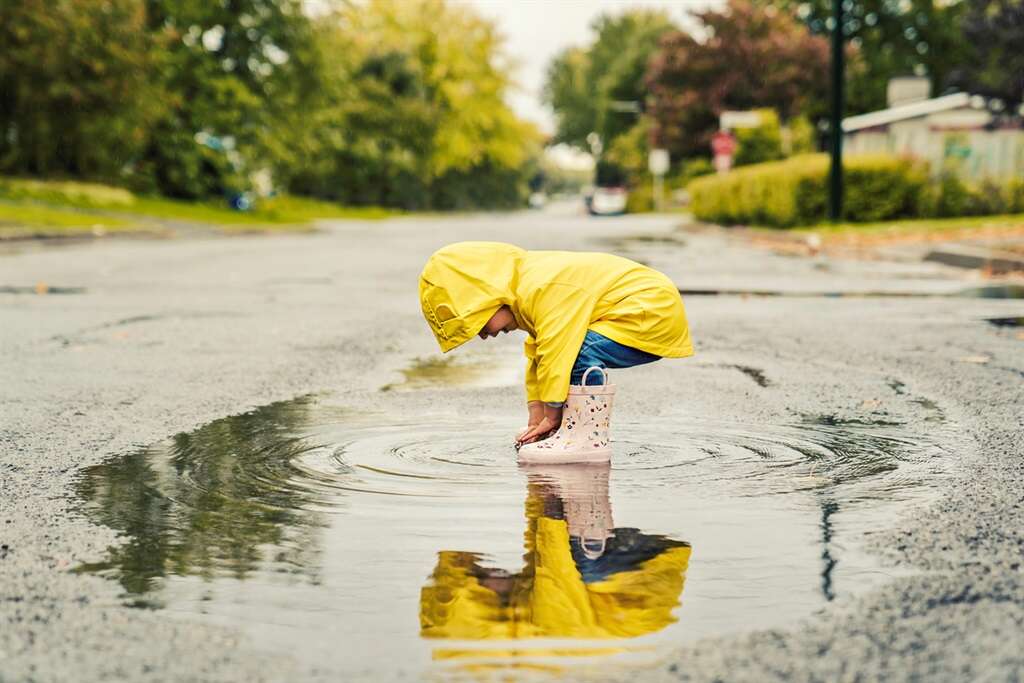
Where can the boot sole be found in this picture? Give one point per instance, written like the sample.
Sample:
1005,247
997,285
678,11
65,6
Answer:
596,455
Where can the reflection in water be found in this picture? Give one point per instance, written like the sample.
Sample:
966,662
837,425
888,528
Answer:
213,502
582,577
477,370
828,508
334,518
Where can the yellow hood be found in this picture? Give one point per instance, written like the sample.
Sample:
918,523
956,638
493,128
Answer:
479,276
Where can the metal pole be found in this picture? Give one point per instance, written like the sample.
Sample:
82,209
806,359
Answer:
659,192
835,204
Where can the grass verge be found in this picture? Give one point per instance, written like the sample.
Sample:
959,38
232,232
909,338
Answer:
31,220
30,208
924,227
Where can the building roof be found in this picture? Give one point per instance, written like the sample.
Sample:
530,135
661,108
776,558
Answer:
906,111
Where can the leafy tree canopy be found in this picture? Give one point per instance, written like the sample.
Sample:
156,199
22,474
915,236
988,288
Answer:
891,39
747,57
76,95
994,32
584,84
396,102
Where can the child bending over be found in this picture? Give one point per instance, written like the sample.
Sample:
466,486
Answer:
579,311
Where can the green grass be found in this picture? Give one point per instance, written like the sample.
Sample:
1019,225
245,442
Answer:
65,193
31,220
916,226
277,211
36,207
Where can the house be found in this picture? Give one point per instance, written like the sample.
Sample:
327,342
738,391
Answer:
954,132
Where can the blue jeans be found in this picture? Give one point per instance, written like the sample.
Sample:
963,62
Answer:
604,353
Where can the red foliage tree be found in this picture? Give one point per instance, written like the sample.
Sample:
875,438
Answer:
746,56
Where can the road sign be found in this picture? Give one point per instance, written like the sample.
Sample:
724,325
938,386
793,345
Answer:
658,161
723,144
739,119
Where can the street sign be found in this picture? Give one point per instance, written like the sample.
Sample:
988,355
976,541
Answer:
739,119
723,145
658,161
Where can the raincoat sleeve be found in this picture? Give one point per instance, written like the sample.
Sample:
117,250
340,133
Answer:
530,351
562,314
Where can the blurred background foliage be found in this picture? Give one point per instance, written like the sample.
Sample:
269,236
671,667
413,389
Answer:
772,57
402,103
389,102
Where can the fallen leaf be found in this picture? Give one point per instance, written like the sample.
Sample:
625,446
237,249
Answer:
975,359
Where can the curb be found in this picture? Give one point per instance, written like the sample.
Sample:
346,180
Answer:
973,257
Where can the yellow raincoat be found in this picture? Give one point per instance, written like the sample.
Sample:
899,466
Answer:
549,598
555,296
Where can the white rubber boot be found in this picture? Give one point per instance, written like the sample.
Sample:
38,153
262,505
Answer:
583,436
583,490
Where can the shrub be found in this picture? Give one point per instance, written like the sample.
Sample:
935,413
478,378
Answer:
762,142
1015,196
795,191
641,197
951,196
690,169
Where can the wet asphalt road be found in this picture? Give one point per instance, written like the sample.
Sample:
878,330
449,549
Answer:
168,335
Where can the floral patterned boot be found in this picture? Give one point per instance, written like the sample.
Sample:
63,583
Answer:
582,489
583,436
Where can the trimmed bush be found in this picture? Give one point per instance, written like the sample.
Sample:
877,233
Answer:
795,191
1015,196
761,143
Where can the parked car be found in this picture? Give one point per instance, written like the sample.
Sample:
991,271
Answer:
608,201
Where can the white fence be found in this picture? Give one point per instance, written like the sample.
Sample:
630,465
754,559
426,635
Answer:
974,154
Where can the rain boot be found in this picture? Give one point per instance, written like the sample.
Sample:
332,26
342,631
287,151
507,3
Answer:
583,435
583,490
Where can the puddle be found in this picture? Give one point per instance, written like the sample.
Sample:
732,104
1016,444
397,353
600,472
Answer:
41,288
755,374
987,292
420,548
465,370
628,243
995,292
1007,322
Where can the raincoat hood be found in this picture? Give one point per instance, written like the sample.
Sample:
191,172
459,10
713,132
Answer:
463,285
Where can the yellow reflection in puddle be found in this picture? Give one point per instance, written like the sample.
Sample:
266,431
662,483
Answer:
582,579
482,370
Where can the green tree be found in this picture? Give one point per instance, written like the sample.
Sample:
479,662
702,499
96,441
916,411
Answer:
752,57
583,85
76,88
412,111
229,72
892,39
994,32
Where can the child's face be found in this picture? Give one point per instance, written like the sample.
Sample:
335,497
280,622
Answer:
502,321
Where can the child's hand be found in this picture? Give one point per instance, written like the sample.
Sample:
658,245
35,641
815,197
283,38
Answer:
551,420
536,412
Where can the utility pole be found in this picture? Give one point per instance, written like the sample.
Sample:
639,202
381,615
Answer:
835,203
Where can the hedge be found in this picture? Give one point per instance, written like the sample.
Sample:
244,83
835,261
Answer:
795,191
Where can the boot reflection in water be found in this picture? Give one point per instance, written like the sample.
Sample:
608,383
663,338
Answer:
582,577
579,311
